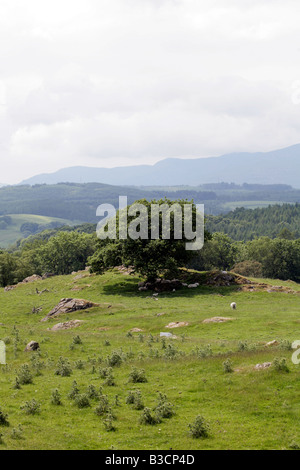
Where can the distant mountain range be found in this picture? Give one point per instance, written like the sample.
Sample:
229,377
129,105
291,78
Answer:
275,167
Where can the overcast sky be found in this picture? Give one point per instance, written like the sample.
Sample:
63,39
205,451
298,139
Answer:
118,82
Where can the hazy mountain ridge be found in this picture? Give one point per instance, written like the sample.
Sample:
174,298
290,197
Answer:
278,166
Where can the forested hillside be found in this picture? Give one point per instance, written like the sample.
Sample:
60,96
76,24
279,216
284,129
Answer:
242,224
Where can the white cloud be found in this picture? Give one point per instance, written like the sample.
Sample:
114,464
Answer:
105,82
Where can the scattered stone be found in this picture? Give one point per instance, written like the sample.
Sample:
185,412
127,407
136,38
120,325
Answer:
265,365
27,280
136,330
165,335
217,320
160,314
177,324
32,278
69,306
32,346
66,326
8,288
272,343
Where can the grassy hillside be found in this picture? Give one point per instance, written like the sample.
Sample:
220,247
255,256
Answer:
246,409
12,232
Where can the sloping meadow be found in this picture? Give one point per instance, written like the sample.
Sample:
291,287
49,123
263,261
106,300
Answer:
137,389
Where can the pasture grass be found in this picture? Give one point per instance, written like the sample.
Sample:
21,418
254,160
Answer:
246,409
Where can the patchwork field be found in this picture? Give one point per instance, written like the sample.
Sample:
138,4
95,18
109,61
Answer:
13,232
245,409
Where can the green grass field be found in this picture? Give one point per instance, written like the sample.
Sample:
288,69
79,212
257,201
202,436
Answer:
250,204
246,409
13,233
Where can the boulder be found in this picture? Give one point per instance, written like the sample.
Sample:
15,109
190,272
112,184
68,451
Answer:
32,346
217,320
66,325
265,365
177,324
32,278
69,306
272,343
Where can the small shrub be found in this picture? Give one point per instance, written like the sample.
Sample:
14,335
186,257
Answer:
286,345
280,364
134,398
92,392
17,385
294,446
115,359
80,365
110,380
171,352
243,346
3,418
107,343
204,352
56,398
103,406
77,340
25,375
164,409
228,366
149,418
137,376
63,368
103,372
74,391
17,433
31,407
82,401
199,428
36,364
109,423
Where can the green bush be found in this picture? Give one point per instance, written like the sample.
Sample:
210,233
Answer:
199,428
228,366
164,409
82,401
24,375
56,398
150,418
63,367
137,376
74,391
280,364
103,406
31,407
3,418
134,398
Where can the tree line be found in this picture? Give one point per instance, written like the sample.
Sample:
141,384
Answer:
64,250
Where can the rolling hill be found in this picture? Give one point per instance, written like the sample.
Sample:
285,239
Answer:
16,228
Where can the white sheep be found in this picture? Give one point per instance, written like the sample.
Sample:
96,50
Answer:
233,305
